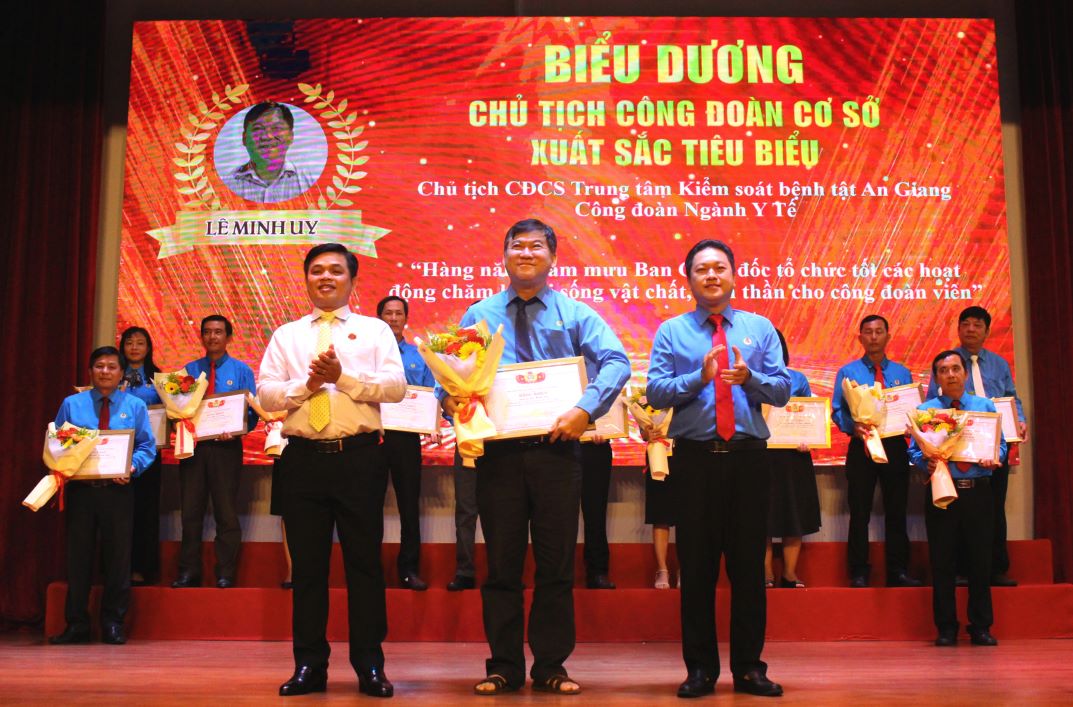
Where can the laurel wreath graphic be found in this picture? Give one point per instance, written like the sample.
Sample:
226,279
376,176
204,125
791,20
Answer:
196,182
346,143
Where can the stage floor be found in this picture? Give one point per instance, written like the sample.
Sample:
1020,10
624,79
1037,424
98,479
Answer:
1017,672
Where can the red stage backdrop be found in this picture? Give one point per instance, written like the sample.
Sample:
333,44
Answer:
854,165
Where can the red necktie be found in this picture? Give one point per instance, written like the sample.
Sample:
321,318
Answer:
879,375
963,466
212,379
105,418
724,399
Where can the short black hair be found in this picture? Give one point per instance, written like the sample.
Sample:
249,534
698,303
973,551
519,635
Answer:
101,352
704,244
532,225
392,298
218,318
975,312
785,348
874,318
944,354
317,250
261,108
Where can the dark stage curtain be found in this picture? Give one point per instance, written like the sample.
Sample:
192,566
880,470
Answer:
50,130
1046,74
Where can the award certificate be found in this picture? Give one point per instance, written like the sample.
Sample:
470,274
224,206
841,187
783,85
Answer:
110,459
899,401
1011,424
221,413
614,424
527,398
418,411
158,420
800,421
980,437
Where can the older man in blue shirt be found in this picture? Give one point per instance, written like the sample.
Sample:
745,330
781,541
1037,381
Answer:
716,366
862,473
533,486
968,519
107,505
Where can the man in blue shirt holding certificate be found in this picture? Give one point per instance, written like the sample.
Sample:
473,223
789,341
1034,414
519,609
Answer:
968,518
216,467
533,485
716,366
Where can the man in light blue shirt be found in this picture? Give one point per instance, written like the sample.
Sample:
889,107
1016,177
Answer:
991,373
967,520
533,485
862,473
216,467
716,366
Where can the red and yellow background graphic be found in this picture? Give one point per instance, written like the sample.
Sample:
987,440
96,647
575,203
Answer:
854,165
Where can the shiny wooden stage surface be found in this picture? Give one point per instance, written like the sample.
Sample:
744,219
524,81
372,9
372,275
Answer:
1021,672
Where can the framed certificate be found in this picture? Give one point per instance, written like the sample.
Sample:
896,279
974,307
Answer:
110,459
899,400
800,421
980,438
221,413
1011,423
527,398
158,420
418,411
615,424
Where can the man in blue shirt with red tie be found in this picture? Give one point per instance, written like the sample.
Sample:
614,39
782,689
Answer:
533,485
862,473
968,518
716,366
106,504
216,466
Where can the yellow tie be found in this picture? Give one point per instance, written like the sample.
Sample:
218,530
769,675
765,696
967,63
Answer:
320,411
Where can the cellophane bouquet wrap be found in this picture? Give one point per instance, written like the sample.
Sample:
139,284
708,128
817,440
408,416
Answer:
274,439
181,394
654,425
936,433
66,449
866,406
464,362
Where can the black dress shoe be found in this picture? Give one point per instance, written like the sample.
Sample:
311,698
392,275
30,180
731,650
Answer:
112,634
982,638
599,581
304,681
225,583
755,682
858,581
185,581
70,635
902,579
697,684
461,582
410,580
374,683
946,639
1003,580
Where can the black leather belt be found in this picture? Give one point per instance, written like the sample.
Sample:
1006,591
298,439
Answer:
718,446
970,483
334,446
523,443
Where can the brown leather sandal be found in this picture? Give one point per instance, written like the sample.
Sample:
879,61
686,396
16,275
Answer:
499,686
557,684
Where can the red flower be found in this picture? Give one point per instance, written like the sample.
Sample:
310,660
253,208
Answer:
187,380
184,387
453,347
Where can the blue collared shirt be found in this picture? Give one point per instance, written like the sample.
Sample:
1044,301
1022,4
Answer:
560,327
863,371
231,375
417,372
968,402
674,373
995,372
144,392
125,412
799,387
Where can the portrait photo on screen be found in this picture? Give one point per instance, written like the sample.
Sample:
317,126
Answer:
270,152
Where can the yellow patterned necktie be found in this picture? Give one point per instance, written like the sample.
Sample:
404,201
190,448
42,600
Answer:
320,412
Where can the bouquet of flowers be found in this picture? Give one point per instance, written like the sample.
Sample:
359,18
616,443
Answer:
274,439
464,362
866,406
937,433
66,449
181,394
653,424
